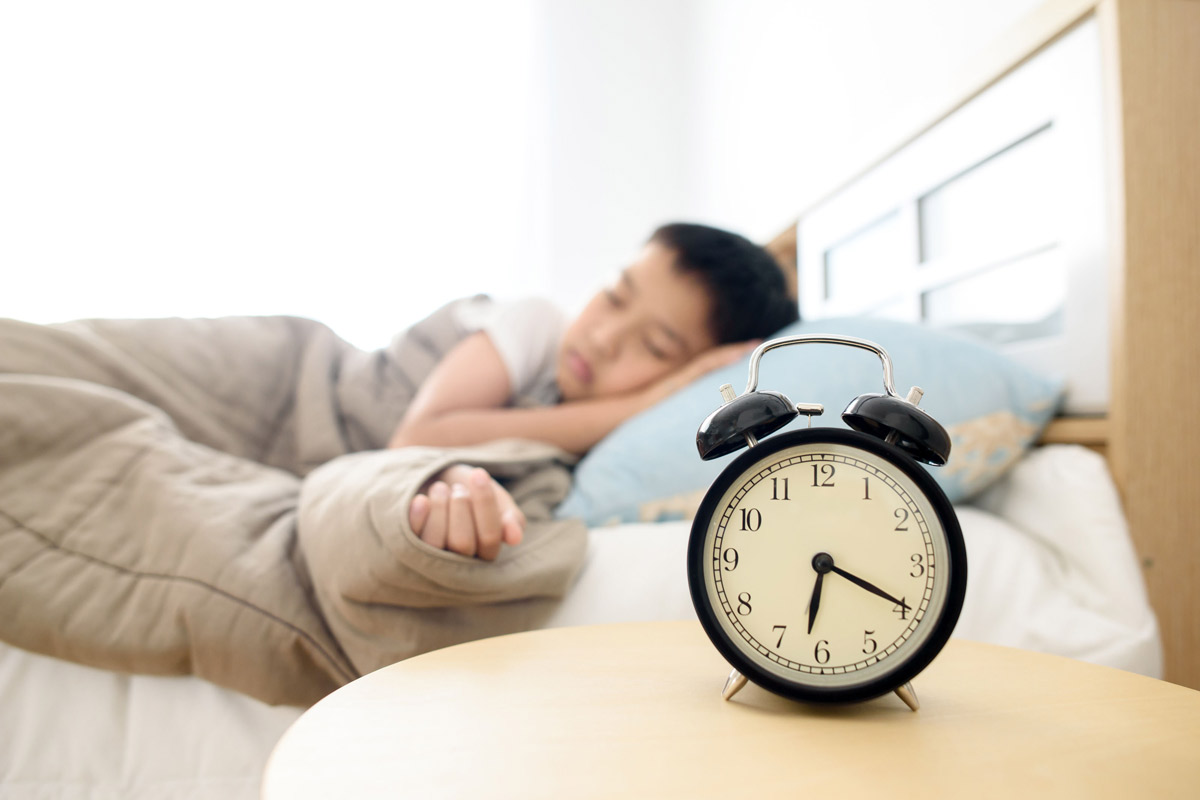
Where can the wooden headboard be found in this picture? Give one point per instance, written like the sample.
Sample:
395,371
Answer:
1149,433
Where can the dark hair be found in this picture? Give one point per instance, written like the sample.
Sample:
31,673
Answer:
745,282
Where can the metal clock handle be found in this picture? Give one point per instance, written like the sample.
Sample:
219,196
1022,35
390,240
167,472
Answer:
827,338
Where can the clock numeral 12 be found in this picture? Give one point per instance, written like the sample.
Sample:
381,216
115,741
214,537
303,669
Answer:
824,478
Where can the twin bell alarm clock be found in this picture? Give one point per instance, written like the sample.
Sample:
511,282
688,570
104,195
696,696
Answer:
825,564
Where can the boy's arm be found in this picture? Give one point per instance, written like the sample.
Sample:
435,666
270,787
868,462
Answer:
463,403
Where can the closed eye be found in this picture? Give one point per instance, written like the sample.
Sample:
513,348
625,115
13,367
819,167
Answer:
614,299
655,350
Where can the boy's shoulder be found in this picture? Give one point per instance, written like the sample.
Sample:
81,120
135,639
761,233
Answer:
482,311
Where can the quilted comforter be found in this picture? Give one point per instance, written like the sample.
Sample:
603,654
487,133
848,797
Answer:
212,497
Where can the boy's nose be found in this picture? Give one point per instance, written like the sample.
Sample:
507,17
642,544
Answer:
606,339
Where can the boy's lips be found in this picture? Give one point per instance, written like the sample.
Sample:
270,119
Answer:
579,367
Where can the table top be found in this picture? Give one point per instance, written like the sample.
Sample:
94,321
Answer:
636,710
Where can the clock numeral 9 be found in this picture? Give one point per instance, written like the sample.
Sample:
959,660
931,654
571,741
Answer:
730,557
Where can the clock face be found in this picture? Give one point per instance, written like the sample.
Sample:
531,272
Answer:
827,566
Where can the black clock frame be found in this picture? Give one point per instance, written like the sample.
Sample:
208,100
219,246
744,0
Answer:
698,558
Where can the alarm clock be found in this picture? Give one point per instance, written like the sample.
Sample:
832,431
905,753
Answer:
826,564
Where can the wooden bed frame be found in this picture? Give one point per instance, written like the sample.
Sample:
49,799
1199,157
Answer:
1150,434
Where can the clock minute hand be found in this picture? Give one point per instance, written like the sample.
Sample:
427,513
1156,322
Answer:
870,587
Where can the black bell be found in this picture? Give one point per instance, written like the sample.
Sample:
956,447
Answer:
757,414
915,432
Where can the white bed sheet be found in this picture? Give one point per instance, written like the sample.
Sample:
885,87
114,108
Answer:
1051,569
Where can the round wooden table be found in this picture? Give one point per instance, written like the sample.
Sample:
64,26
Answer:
635,710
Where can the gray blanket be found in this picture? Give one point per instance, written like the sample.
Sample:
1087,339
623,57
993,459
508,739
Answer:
211,497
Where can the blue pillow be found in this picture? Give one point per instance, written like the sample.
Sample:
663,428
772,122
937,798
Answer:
994,408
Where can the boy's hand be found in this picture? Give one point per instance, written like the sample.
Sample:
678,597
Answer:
463,510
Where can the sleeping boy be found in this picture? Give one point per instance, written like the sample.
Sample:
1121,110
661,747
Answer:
217,496
694,300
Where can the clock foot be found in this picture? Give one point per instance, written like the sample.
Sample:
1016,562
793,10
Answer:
733,684
909,696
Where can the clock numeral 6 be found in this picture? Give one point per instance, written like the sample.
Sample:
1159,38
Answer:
821,652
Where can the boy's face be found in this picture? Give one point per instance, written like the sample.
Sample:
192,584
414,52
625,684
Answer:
652,321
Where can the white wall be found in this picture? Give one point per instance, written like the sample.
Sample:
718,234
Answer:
362,161
791,90
332,159
619,97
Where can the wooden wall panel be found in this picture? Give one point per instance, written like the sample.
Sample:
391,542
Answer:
1155,435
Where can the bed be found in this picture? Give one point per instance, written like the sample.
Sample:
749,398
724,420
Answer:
1075,470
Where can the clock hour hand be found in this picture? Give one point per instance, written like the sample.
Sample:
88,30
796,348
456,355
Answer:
822,563
870,587
815,603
